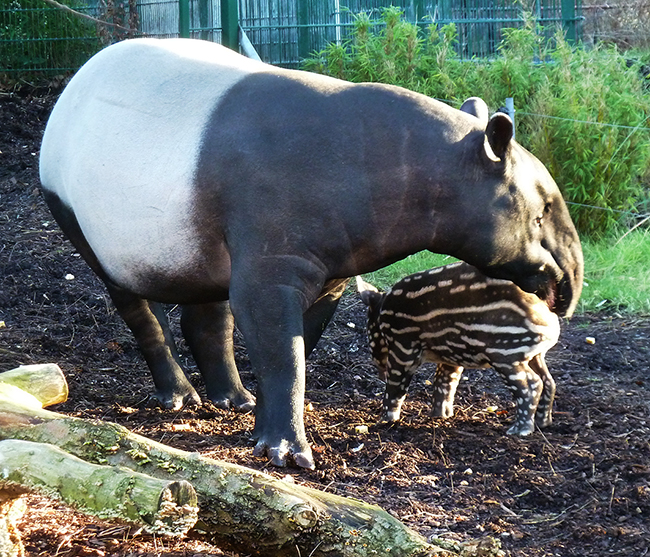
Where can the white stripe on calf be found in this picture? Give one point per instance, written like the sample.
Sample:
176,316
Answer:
492,329
421,292
406,330
441,333
405,351
472,341
499,305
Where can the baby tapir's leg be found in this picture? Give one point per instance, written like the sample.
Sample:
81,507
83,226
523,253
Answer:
445,383
526,387
150,327
398,379
208,330
544,414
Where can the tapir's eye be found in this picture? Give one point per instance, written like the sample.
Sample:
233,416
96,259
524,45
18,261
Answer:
540,219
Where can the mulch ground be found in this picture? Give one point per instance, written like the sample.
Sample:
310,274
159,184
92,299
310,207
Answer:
580,488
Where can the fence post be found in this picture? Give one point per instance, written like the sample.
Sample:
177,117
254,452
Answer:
230,24
203,19
303,10
569,20
184,18
510,109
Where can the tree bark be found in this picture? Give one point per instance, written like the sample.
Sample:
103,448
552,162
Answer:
164,507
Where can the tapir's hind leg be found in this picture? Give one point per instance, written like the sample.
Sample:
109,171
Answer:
146,319
148,322
208,330
316,318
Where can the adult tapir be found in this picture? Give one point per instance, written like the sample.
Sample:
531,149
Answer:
185,173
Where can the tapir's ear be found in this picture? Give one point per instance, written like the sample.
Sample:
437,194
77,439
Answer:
498,135
477,107
369,294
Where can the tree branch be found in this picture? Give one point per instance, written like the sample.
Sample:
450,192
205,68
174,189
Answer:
86,16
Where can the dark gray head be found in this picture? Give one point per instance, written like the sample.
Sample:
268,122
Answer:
527,234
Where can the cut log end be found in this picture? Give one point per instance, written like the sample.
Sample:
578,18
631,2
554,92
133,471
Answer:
45,382
178,510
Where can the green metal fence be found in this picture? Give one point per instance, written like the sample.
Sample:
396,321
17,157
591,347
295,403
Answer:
38,39
34,37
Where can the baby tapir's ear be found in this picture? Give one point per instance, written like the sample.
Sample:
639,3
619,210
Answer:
369,294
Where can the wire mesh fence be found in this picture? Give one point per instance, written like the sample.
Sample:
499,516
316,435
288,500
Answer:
38,38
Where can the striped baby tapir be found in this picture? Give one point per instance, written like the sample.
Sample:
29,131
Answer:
459,318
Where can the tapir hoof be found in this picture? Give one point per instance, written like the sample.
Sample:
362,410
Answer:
442,412
543,421
279,456
521,430
174,401
390,417
241,402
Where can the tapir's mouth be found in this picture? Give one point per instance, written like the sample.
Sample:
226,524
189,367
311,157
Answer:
549,287
549,282
549,293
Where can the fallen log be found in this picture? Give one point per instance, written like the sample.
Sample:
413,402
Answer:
164,507
239,508
45,382
38,385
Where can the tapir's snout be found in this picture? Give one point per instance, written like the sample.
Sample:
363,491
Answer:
558,281
568,286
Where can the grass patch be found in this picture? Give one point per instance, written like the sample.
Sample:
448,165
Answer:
617,273
386,277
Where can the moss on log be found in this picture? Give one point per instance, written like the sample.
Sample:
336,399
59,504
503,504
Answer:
167,507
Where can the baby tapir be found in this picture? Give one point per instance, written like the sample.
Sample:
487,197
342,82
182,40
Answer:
457,317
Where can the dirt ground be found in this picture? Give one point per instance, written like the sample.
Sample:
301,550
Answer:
580,488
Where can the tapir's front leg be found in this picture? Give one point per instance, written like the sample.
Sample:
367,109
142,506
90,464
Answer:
445,383
526,387
271,320
544,414
208,330
398,379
